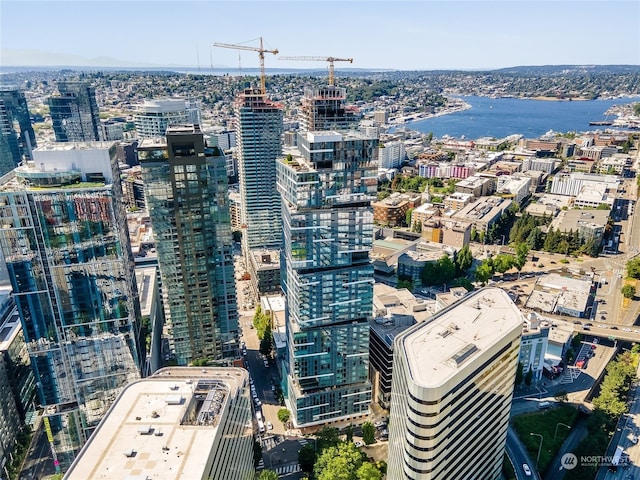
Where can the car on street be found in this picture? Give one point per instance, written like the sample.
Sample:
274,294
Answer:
613,327
526,469
266,364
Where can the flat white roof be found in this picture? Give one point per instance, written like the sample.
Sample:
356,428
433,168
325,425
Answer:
145,431
437,350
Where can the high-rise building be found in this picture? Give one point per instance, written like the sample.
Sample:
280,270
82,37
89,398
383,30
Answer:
186,191
259,143
181,423
17,383
17,138
154,116
74,113
327,186
65,241
453,381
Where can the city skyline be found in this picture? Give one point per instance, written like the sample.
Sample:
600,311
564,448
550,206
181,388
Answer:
407,35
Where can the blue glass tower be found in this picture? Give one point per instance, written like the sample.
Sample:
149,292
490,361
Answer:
17,138
74,113
65,241
327,186
187,193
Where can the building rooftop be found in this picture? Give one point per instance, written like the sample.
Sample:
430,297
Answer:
395,310
552,292
437,350
161,427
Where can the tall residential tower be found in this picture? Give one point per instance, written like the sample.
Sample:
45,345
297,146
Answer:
453,381
187,194
17,138
327,186
74,113
65,241
259,131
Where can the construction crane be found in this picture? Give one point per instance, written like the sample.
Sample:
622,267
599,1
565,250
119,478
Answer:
322,59
261,51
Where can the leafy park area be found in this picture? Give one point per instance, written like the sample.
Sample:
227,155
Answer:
548,424
332,457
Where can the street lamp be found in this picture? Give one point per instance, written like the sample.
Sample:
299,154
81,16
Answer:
557,425
540,447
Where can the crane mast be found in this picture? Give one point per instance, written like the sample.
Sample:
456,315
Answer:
331,60
261,51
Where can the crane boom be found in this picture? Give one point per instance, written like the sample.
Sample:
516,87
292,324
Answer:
321,59
261,51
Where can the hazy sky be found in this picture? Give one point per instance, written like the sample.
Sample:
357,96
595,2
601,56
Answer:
419,34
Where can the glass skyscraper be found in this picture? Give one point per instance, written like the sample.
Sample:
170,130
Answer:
64,237
259,124
187,195
17,138
74,113
327,186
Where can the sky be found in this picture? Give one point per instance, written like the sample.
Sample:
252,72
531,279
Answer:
377,34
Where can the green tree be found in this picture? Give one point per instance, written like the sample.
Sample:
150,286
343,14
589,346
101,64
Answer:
519,373
405,283
528,378
464,260
446,268
628,291
633,267
503,262
368,433
349,433
307,458
484,272
407,216
368,471
327,437
284,415
266,344
340,462
268,475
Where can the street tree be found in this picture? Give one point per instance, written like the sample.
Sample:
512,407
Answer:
464,259
284,415
628,291
307,458
340,462
368,433
268,475
368,471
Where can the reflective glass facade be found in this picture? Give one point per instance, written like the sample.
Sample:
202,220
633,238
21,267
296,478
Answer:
74,113
187,194
17,137
259,130
327,187
67,252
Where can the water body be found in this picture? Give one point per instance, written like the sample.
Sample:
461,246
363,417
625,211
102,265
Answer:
500,117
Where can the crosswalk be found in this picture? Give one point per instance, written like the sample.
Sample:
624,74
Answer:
287,469
283,470
302,441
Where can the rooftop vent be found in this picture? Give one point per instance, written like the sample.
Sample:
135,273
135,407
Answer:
462,355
